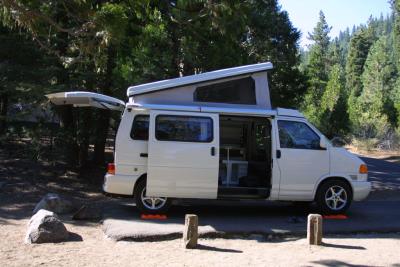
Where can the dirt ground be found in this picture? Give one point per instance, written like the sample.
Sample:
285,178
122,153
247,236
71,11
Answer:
23,182
388,155
96,250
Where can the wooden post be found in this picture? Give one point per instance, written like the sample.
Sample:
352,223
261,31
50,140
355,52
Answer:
314,229
190,232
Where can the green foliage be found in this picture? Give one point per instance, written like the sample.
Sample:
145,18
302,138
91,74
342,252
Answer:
353,80
105,46
358,51
112,18
374,106
317,70
360,46
24,72
396,32
334,118
272,37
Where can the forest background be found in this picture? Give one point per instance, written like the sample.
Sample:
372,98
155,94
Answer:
349,86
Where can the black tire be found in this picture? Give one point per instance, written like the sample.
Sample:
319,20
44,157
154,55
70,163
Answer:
326,200
144,205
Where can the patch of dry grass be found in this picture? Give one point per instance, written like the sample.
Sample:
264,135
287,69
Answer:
389,155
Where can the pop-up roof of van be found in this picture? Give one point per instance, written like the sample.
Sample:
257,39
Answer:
198,78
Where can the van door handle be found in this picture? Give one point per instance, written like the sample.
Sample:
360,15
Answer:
278,154
212,151
144,155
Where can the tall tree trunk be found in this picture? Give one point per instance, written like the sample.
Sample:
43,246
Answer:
176,54
3,112
68,121
68,125
103,122
101,136
84,137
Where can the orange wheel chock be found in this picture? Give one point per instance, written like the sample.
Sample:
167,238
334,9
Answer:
153,217
337,217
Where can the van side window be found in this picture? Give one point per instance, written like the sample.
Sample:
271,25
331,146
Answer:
140,128
184,128
241,91
298,135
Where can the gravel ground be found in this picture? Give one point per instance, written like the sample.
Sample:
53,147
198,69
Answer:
254,250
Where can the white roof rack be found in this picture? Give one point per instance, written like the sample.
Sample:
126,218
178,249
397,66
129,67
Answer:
198,78
221,110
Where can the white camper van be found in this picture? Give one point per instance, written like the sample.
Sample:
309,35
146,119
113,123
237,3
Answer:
215,136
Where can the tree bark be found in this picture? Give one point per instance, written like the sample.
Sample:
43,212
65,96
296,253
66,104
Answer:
84,139
176,59
67,123
3,112
103,122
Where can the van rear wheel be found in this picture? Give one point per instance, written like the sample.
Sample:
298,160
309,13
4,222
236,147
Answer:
149,204
334,197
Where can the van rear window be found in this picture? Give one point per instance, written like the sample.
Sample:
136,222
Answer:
184,128
140,127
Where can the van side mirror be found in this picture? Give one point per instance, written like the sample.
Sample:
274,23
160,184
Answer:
323,143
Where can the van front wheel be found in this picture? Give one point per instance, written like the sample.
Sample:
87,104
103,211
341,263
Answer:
149,204
334,197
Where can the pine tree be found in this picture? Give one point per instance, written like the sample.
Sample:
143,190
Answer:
396,53
374,106
396,31
83,35
272,37
358,51
333,109
317,69
343,41
334,119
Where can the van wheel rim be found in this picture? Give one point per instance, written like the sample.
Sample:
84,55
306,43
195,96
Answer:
336,197
152,203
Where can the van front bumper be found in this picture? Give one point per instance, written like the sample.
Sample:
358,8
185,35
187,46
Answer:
361,190
119,184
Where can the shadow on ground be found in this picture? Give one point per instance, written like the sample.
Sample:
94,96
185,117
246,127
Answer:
328,245
215,249
335,263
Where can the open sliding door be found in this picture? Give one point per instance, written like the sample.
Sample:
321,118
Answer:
183,154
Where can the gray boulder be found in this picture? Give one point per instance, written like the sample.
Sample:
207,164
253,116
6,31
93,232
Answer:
45,227
55,203
88,212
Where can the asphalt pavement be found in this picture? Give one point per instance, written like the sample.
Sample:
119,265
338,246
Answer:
385,178
380,212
